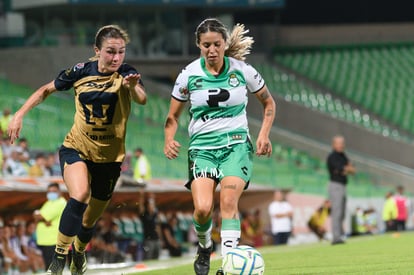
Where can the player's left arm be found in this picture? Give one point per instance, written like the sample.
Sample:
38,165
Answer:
135,88
263,143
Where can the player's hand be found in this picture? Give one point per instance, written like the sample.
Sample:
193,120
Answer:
263,147
15,126
171,149
131,80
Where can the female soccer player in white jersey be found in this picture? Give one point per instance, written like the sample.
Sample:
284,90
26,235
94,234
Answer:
220,151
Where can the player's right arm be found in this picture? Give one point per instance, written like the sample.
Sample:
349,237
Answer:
171,146
35,99
179,97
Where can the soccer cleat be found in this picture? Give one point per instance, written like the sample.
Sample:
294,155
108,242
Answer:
202,261
220,271
338,242
78,264
57,265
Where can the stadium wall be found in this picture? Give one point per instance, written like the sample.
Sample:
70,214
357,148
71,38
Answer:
49,60
33,67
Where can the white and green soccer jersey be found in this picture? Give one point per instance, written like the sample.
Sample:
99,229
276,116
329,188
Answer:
218,103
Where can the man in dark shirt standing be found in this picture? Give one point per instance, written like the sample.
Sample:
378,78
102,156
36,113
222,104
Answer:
339,168
149,218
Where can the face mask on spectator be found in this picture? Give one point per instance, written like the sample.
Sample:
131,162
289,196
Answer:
52,196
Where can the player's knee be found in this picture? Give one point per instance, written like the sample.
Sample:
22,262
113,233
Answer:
203,212
81,196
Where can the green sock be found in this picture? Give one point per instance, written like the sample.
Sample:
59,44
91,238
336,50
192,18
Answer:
204,232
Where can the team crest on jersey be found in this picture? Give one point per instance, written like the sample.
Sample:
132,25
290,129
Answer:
78,66
233,80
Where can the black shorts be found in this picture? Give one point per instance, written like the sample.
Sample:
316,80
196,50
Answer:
103,175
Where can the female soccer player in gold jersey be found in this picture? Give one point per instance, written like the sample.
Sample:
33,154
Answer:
94,148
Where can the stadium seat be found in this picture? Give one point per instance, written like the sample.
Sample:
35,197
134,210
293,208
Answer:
376,77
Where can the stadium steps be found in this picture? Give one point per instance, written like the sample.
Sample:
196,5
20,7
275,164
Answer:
376,77
295,88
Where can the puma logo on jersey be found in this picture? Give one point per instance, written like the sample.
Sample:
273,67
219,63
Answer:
98,86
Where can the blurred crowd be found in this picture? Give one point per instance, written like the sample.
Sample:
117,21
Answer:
396,210
123,234
18,160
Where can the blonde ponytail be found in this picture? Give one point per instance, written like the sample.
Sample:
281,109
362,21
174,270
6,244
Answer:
239,45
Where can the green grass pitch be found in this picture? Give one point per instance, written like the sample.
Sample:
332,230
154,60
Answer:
380,254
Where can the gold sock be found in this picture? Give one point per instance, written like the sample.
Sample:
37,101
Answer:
79,246
63,243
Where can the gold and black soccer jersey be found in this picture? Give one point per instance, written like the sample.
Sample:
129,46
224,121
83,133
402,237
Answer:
102,110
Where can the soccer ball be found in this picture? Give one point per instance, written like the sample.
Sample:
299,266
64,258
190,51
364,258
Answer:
243,260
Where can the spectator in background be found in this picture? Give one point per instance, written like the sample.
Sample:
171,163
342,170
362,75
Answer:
4,262
1,157
48,219
103,246
252,228
52,164
339,168
149,217
184,225
359,224
215,230
24,145
258,228
371,220
142,168
38,169
25,252
124,227
247,236
110,236
317,222
31,239
168,235
17,247
14,164
281,214
4,122
389,212
126,168
403,207
137,236
13,264
131,235
7,147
